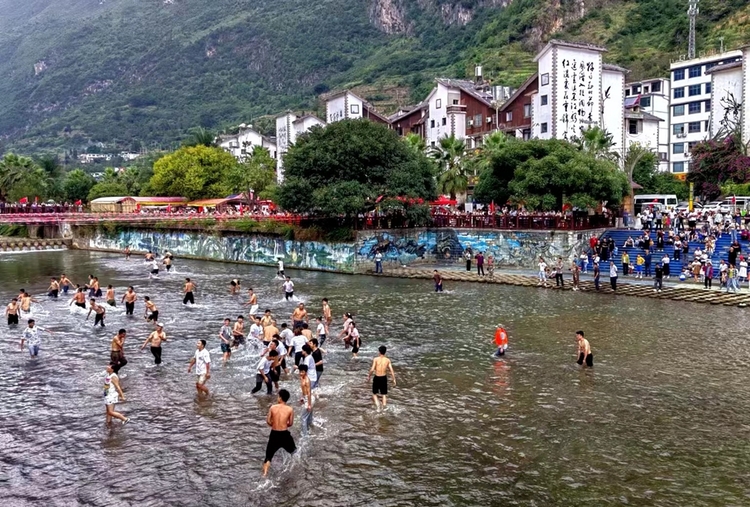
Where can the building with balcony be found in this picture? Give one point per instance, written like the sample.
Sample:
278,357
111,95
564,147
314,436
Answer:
651,96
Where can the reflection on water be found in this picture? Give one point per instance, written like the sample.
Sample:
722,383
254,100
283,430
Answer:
661,420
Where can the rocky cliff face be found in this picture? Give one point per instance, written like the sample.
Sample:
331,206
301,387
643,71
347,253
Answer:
388,16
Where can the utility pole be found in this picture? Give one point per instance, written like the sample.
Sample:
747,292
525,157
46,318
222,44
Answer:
721,44
692,14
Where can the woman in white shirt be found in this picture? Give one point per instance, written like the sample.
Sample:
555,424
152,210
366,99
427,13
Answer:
112,395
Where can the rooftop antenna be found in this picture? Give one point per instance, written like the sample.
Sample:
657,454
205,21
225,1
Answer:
692,14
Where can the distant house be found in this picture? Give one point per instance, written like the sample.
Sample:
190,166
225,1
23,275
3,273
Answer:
515,114
652,96
241,145
346,105
467,110
410,120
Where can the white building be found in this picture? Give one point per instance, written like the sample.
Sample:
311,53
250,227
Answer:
613,96
730,90
288,128
642,128
651,96
346,105
241,144
690,117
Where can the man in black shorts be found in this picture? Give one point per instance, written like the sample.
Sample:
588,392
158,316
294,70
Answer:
584,351
280,419
381,365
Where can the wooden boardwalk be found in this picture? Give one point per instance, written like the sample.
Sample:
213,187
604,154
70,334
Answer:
695,295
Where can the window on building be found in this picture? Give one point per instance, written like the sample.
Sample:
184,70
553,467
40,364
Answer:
544,79
627,92
694,127
455,102
678,148
678,93
679,110
445,120
636,89
438,103
478,121
695,71
663,156
526,110
645,89
679,74
544,100
678,167
707,123
691,145
432,124
694,90
694,107
707,106
432,144
354,108
656,86
544,128
633,127
526,134
509,116
678,128
708,87
645,101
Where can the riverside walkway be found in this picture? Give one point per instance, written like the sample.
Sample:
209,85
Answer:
624,288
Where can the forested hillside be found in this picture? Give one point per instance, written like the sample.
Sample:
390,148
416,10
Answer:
145,71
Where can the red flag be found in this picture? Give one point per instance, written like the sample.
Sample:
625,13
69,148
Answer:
492,207
23,200
78,202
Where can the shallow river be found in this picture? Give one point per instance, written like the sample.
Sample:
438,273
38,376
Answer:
662,419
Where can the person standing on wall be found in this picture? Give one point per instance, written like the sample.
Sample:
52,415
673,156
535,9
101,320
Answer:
378,262
480,264
613,275
467,257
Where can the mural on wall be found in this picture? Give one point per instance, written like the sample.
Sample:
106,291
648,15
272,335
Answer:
519,249
250,248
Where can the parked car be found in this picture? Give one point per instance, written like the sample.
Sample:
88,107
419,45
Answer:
684,207
715,206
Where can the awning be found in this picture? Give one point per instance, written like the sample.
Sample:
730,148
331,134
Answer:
444,200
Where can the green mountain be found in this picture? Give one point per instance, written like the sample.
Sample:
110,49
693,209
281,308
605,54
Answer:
145,71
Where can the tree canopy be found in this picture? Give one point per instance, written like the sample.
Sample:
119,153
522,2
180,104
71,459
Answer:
256,174
344,168
194,172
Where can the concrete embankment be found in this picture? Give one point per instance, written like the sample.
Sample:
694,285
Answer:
14,244
690,294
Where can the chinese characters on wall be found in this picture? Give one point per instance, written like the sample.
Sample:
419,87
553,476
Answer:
579,79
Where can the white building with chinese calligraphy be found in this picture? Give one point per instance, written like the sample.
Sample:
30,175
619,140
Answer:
570,90
288,127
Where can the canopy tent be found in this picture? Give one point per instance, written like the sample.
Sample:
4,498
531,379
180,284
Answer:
113,205
209,203
160,201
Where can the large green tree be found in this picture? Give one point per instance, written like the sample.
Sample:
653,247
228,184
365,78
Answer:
195,172
15,171
343,169
451,159
257,174
77,185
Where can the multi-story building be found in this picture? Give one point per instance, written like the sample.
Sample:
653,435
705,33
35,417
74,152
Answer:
690,115
730,91
241,145
410,120
651,96
515,113
346,105
288,128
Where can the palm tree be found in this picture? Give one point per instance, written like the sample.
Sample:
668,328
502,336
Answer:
493,143
13,169
200,136
415,142
599,143
449,155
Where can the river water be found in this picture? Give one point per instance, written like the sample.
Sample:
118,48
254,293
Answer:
662,419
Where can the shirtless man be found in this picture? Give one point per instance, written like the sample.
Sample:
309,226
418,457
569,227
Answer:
584,350
381,365
54,288
438,281
189,288
167,261
95,289
129,299
65,283
155,339
11,311
269,332
26,301
345,332
327,316
151,307
79,298
100,312
127,253
252,301
238,331
306,400
111,296
267,319
280,419
299,315
225,335
306,332
117,351
234,286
